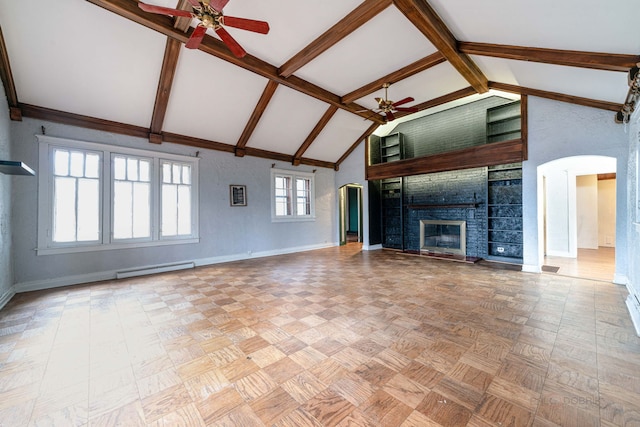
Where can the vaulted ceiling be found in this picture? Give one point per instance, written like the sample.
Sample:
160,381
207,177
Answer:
305,92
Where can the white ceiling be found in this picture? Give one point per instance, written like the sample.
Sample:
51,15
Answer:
76,57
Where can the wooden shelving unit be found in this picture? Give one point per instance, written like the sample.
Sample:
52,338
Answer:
504,216
392,149
503,122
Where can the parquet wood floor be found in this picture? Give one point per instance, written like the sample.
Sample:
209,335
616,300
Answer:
334,337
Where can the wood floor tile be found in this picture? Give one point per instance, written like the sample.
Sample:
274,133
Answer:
271,407
328,407
443,411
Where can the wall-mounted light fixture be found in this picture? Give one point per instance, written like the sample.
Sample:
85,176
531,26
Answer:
633,94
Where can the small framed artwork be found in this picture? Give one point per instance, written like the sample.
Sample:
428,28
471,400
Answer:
238,195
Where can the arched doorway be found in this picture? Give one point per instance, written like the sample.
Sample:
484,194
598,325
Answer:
578,218
350,221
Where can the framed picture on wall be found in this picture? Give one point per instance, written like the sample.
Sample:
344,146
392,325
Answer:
238,195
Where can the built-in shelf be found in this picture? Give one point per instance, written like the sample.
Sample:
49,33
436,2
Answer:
9,167
504,217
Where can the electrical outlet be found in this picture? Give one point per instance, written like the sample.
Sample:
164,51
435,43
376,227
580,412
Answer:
500,249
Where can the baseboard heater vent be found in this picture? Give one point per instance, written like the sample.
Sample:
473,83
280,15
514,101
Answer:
154,270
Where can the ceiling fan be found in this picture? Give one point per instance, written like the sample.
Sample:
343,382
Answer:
388,107
209,13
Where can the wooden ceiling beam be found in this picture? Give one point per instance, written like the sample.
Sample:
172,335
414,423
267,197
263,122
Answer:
264,100
165,83
322,123
88,122
356,18
408,71
7,81
429,23
211,45
587,102
571,58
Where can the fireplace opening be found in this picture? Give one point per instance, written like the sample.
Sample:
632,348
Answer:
443,237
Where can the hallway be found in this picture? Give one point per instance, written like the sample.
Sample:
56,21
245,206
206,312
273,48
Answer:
596,264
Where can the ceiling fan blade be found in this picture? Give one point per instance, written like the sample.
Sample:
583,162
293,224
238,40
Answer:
246,24
403,101
390,116
407,109
194,3
218,4
196,37
231,43
163,10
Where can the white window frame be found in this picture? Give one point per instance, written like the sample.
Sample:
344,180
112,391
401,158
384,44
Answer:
46,245
293,175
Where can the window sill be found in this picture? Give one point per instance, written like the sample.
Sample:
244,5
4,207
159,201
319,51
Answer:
114,246
293,219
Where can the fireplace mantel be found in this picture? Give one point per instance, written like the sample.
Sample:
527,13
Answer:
446,206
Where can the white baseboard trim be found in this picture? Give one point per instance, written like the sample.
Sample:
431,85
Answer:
372,247
563,254
634,311
262,254
620,279
531,268
59,282
6,297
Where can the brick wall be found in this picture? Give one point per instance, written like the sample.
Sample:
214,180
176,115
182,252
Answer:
467,186
460,127
456,128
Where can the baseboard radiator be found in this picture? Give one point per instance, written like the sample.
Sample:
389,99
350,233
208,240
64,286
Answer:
154,270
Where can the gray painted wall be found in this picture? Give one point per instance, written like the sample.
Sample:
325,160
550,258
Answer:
6,269
226,233
558,130
633,224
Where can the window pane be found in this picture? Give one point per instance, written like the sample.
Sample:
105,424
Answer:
176,174
119,168
141,210
166,172
132,169
145,167
88,210
303,199
186,174
61,162
283,202
184,210
92,167
77,164
122,207
169,210
64,210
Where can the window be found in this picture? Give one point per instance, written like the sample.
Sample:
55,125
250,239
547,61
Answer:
97,197
293,197
176,199
131,197
76,196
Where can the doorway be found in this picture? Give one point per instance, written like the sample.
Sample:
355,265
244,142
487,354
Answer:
350,214
579,219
